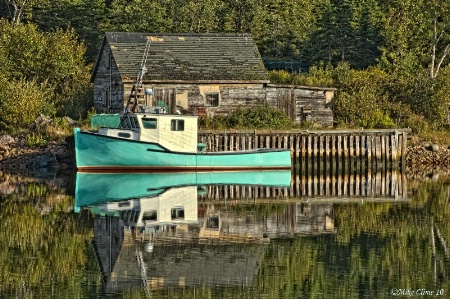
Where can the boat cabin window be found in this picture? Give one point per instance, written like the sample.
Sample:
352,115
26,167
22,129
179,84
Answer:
150,123
126,123
123,204
136,216
124,135
130,122
134,122
150,216
177,213
124,215
129,216
177,125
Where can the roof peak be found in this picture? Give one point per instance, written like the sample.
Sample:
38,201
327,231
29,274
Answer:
143,36
178,34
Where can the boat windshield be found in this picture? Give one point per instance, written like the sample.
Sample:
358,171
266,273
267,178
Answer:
149,123
131,122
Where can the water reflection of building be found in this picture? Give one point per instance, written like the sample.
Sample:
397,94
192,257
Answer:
183,237
132,241
291,219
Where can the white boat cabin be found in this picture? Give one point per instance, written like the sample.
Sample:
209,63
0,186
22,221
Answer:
174,206
174,132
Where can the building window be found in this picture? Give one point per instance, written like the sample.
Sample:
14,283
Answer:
212,100
105,99
150,123
177,125
212,222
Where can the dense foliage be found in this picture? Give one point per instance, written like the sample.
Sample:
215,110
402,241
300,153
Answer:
261,117
388,59
41,73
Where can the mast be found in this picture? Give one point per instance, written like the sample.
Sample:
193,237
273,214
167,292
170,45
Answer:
136,90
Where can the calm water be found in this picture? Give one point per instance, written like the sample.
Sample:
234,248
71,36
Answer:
369,236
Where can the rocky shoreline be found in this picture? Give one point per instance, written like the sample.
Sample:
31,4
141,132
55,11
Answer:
17,156
427,160
422,161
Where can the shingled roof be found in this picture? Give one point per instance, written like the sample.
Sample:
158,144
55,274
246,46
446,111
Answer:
187,57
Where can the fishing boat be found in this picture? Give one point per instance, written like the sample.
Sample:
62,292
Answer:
156,141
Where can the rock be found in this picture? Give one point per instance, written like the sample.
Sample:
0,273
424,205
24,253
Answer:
6,188
40,122
6,140
69,120
434,148
435,176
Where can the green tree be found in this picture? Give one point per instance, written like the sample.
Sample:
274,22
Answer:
415,34
280,26
51,61
168,16
440,42
346,31
85,17
261,117
15,10
137,16
237,15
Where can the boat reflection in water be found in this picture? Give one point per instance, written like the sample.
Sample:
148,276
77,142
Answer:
95,188
150,231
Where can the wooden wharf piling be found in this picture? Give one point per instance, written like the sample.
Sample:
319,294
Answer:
331,151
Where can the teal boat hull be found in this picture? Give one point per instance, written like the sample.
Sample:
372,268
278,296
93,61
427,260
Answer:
99,153
95,188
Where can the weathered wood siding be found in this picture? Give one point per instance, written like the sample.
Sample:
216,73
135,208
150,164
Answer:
108,86
303,104
300,105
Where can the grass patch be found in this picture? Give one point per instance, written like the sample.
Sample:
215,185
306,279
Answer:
441,137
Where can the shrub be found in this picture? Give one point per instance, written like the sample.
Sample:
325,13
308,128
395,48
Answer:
259,117
36,140
21,102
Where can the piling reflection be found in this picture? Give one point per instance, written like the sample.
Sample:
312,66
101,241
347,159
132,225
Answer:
381,185
157,230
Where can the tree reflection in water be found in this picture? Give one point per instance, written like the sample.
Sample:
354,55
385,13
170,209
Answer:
373,247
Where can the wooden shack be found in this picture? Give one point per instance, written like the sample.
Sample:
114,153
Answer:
204,74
